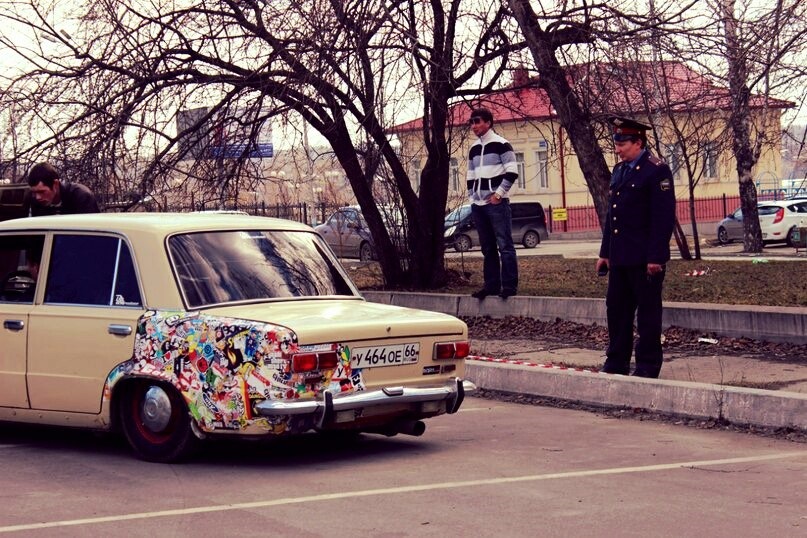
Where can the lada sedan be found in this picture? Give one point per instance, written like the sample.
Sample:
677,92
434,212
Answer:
176,327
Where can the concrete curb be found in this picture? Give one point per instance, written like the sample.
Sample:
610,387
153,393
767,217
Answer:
699,400
774,324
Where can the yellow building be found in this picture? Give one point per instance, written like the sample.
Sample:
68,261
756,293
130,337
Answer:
689,115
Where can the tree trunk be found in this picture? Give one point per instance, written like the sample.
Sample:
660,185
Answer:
576,121
740,121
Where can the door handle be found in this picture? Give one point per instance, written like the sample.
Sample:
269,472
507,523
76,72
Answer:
120,330
14,324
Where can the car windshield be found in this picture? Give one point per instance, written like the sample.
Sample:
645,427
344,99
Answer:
232,266
457,215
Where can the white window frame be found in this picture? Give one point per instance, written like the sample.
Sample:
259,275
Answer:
711,170
675,159
542,165
417,170
454,174
521,182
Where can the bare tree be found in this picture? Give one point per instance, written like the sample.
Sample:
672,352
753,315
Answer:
123,70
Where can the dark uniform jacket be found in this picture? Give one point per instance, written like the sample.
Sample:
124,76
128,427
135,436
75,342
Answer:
641,213
75,198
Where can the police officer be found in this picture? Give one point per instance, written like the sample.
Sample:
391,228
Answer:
635,248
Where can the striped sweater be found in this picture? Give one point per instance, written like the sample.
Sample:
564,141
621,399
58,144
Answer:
491,168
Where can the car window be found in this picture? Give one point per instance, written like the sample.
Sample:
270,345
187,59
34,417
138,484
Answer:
767,209
231,266
91,270
19,266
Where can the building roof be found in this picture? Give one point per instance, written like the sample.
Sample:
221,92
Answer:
606,89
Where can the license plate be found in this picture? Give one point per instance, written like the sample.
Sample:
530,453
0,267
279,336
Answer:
370,357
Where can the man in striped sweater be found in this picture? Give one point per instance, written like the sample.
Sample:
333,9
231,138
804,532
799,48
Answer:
492,170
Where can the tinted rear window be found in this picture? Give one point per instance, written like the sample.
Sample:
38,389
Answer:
232,266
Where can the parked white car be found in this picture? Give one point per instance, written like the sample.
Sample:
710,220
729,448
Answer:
776,219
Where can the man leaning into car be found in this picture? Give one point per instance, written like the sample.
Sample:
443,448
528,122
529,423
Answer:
49,195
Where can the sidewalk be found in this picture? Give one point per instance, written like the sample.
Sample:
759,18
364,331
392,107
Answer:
737,389
720,369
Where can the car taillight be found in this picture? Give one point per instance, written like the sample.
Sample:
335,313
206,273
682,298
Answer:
327,360
308,362
451,350
779,215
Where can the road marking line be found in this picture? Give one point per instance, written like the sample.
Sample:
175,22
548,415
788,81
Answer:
392,491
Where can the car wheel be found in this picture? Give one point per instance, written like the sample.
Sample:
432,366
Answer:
531,239
789,240
365,252
156,422
722,236
462,243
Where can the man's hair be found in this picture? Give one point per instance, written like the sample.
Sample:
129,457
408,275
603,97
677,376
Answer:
44,173
482,113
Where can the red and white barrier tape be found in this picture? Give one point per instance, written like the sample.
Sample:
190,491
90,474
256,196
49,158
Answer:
530,363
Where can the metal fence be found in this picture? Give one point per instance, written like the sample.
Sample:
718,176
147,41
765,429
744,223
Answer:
584,218
578,218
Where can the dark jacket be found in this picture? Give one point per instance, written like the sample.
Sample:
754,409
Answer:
641,214
75,198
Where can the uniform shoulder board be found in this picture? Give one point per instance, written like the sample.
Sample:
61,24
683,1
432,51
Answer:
655,160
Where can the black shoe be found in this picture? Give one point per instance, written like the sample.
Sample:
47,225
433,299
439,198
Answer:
481,294
507,293
648,375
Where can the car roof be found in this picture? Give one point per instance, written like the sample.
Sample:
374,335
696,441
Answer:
163,223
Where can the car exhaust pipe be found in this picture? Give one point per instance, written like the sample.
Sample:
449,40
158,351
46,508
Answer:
412,427
406,427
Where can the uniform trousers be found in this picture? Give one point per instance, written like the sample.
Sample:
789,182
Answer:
632,293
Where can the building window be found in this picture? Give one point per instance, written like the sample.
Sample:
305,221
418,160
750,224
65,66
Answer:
414,179
454,173
674,157
522,176
710,160
541,159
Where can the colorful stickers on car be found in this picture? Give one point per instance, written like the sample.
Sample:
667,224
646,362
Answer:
222,366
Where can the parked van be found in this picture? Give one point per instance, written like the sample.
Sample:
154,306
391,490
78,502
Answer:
12,200
529,226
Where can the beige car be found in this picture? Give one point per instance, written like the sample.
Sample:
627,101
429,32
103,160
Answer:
175,327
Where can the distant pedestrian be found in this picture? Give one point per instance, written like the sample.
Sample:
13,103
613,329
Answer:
49,195
492,170
635,249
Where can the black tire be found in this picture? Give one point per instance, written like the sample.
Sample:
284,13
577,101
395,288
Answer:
462,243
365,252
789,240
156,422
722,236
531,239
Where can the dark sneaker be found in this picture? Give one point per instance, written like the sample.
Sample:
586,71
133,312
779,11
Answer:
481,294
507,293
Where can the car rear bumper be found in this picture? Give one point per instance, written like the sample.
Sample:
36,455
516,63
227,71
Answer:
338,408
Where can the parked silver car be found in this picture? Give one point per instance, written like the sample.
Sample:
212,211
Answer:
776,219
347,233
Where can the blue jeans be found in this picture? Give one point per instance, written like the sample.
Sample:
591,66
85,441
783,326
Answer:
494,224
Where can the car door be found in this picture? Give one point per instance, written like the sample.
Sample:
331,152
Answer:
332,231
353,233
86,323
19,263
734,226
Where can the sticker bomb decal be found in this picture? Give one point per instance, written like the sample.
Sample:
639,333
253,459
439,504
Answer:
224,365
